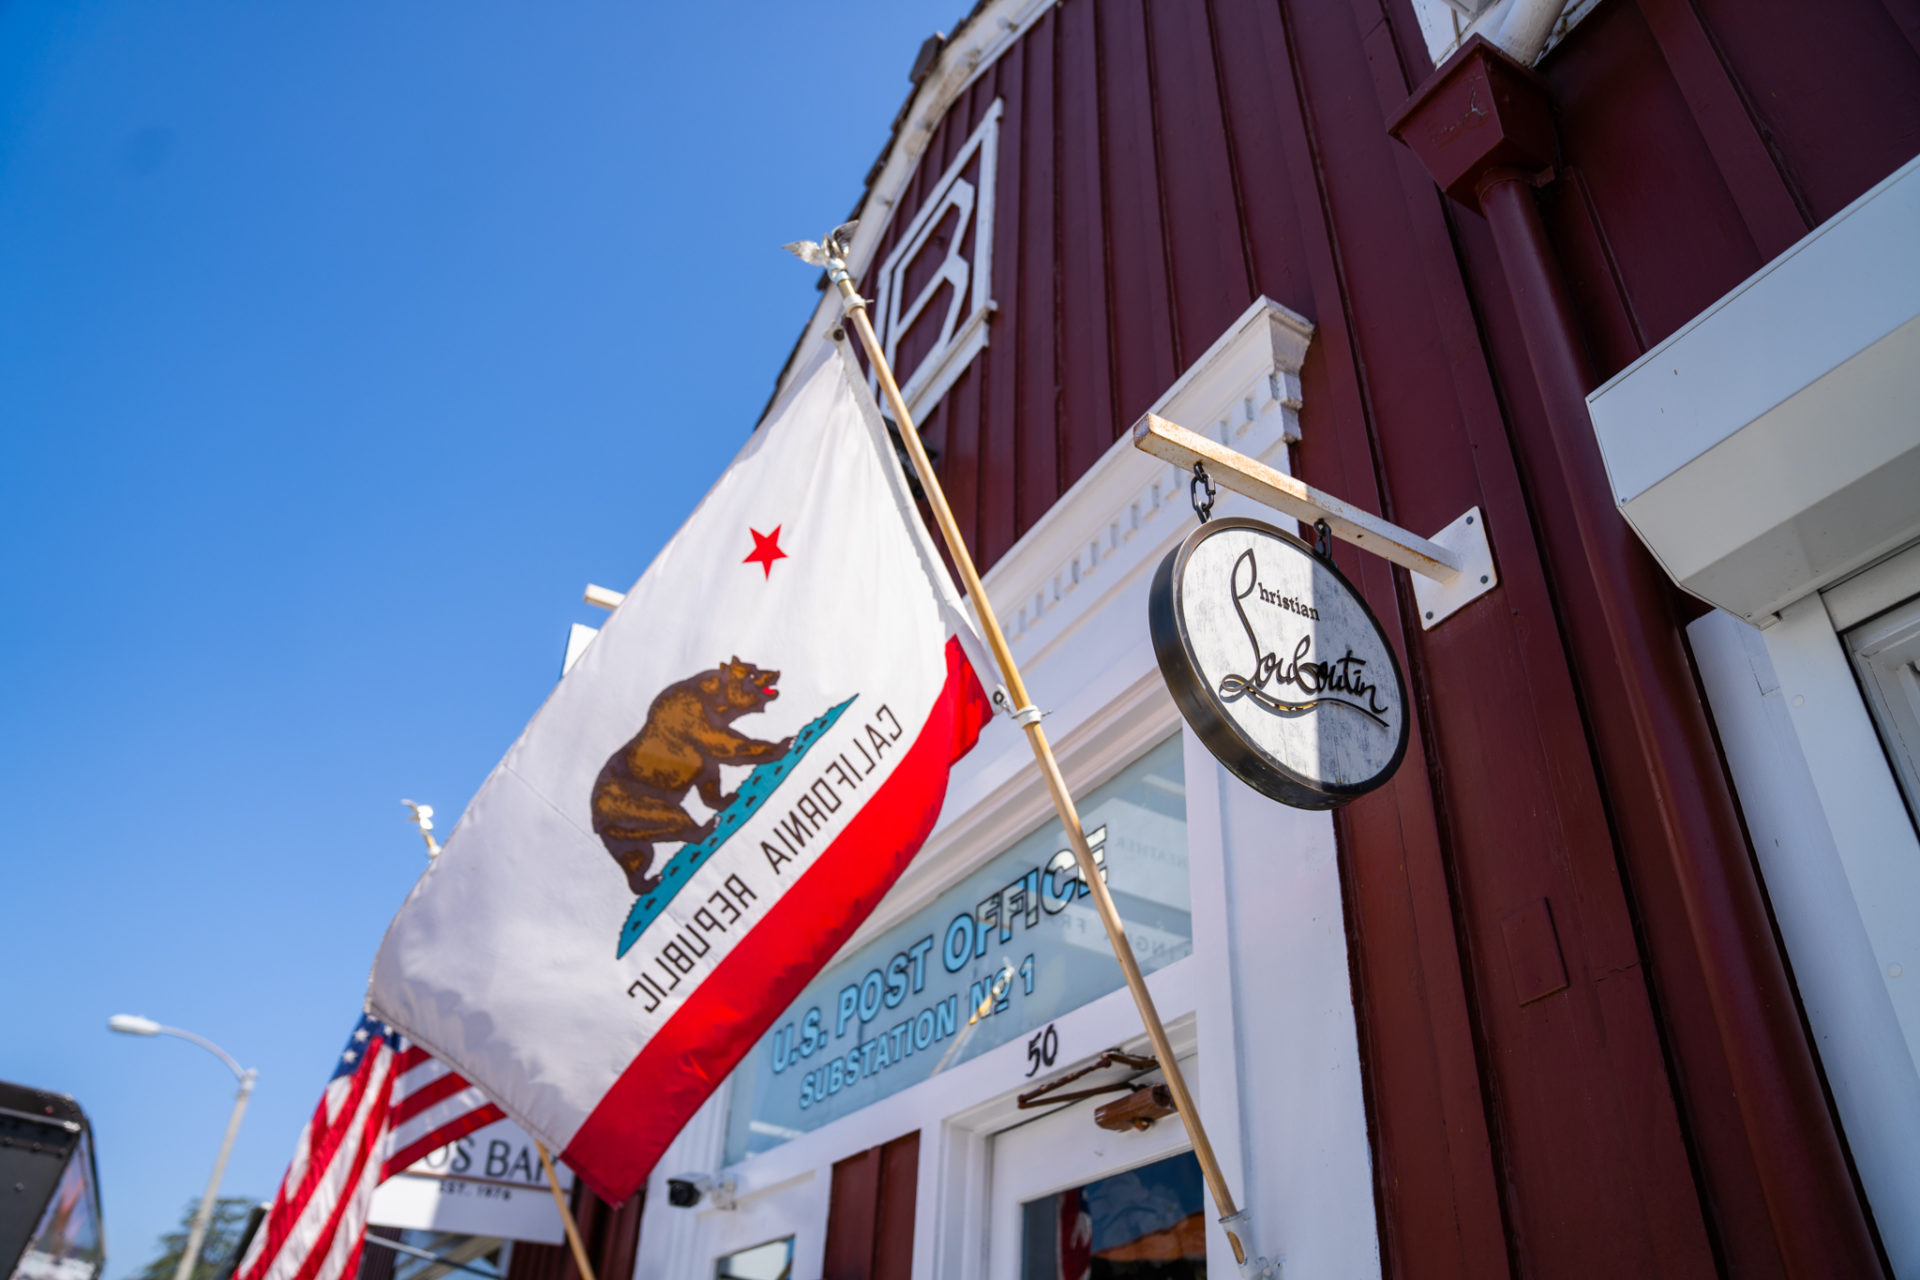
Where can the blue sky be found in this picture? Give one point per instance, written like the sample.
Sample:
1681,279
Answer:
341,345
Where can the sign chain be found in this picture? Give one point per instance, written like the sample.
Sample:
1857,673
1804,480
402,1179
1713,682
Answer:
1201,492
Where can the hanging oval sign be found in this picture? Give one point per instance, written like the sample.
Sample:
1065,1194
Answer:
1277,664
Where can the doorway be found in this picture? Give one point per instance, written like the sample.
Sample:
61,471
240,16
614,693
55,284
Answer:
1073,1201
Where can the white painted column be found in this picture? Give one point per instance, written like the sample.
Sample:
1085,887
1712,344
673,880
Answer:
1790,786
1277,1033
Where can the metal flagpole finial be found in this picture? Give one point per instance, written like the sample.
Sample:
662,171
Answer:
830,252
423,818
837,243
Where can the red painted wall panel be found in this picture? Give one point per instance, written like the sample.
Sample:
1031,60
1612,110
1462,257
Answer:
1084,361
1626,126
1031,256
1206,263
870,1213
1585,1139
1834,88
1140,309
1162,163
611,1234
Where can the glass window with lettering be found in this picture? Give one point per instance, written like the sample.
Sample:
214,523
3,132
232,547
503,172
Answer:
997,956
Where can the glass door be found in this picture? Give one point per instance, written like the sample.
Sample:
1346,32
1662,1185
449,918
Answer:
1073,1201
1146,1222
1886,657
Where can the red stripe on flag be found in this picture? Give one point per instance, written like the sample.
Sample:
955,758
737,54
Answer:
726,1015
352,1265
440,1137
436,1090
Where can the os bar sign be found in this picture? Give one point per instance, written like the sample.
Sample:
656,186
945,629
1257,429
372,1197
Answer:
1277,664
488,1184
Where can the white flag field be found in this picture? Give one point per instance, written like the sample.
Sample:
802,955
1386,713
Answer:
712,800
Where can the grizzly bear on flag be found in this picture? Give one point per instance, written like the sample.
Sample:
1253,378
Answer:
688,735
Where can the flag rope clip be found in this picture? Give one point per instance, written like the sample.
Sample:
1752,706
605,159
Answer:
1027,715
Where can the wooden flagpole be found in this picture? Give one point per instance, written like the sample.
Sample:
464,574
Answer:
566,1212
1028,717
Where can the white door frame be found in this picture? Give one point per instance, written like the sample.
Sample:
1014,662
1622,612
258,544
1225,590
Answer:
1841,864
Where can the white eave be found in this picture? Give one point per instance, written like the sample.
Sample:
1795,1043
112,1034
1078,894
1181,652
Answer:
1772,446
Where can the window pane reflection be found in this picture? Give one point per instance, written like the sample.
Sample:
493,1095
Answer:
1145,1224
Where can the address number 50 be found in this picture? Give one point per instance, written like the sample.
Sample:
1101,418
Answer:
1042,1050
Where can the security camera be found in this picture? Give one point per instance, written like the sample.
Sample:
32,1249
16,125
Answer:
687,1190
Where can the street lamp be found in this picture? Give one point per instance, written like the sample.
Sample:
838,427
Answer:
133,1025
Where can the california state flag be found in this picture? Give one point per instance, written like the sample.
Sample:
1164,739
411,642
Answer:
717,794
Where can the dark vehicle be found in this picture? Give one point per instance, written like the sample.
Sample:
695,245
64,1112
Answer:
49,1188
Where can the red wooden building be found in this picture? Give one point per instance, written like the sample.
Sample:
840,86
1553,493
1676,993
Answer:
1606,981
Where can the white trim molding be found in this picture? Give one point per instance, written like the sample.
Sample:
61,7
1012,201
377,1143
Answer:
1840,861
967,278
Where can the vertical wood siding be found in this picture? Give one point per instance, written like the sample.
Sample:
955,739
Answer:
611,1234
870,1212
1162,163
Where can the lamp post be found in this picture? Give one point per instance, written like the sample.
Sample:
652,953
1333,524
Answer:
132,1025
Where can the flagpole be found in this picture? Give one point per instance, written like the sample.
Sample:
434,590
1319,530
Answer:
566,1212
1028,717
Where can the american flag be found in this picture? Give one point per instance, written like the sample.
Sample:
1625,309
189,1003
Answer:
387,1105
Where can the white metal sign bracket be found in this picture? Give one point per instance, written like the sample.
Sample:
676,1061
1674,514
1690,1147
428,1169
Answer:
1450,570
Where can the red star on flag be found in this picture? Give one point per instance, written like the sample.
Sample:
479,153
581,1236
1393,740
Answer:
766,549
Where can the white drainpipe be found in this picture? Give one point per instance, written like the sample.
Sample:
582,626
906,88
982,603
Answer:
1524,30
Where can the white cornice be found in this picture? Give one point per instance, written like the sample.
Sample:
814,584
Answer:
1121,516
